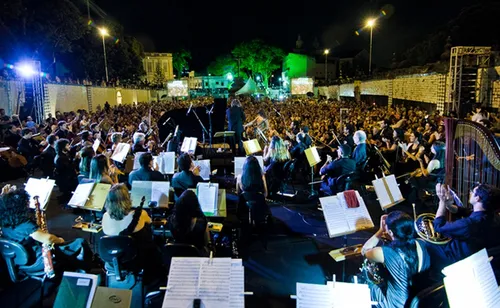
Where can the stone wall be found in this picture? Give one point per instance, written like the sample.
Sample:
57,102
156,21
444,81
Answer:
66,98
9,96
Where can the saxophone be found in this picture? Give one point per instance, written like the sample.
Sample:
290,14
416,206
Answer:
41,221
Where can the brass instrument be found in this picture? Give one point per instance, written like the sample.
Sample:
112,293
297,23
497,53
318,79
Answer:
424,226
41,221
371,271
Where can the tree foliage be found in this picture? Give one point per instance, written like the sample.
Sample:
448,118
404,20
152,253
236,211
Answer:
256,57
222,65
180,61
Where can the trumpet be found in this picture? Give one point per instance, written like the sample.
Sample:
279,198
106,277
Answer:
424,226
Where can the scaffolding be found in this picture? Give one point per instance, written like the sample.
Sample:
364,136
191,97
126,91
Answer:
465,61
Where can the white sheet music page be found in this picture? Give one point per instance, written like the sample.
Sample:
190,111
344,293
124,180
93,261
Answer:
237,286
96,144
357,218
189,144
159,192
261,161
120,152
383,192
41,188
204,168
182,287
166,162
238,165
214,282
207,196
137,165
314,296
81,194
347,295
140,189
334,216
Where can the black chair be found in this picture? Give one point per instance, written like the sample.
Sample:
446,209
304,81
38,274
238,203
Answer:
288,174
433,296
259,216
179,250
16,258
118,252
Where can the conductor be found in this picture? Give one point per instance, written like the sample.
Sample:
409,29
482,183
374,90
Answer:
235,118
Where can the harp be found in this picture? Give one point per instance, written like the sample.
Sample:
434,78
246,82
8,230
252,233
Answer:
472,157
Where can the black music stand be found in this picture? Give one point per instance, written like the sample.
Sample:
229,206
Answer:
229,134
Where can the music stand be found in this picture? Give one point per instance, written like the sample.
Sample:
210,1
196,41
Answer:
229,134
313,159
251,146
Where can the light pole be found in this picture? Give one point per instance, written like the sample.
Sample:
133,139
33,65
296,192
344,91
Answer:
326,52
104,32
370,23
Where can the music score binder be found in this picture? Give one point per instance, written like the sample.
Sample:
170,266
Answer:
251,146
333,294
76,290
189,144
120,152
341,220
90,196
387,190
41,188
166,162
204,168
153,191
312,156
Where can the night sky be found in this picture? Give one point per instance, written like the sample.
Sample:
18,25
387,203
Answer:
211,28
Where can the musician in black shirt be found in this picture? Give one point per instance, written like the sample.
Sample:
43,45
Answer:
332,170
235,118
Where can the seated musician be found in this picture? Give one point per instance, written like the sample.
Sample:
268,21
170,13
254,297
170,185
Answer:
47,157
18,225
64,172
28,147
403,257
188,224
116,138
291,135
347,136
188,175
101,172
251,182
12,136
414,151
62,130
139,140
86,155
304,141
147,172
332,170
360,152
121,219
261,125
86,140
275,157
469,234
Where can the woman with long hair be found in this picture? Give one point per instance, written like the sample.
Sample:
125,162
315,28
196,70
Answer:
403,258
276,157
100,170
188,223
252,179
86,155
437,161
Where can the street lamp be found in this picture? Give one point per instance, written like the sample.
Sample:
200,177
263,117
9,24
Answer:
370,23
104,32
326,52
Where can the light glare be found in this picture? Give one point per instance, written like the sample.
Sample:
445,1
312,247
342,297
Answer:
103,31
370,23
26,70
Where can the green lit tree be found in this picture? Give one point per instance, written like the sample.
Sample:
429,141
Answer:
180,61
223,65
256,57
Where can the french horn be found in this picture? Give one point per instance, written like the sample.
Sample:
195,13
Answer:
424,226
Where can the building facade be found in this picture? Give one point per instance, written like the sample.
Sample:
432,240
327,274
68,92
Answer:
153,61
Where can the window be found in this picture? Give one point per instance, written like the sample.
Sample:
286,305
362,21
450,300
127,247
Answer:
149,67
206,84
217,83
222,83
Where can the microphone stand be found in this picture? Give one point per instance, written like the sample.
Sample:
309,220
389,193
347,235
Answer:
204,130
209,112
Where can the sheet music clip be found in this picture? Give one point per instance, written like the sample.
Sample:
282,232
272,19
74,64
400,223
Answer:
196,303
47,179
247,293
211,258
293,296
333,281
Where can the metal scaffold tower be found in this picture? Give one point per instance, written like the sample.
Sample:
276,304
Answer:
465,61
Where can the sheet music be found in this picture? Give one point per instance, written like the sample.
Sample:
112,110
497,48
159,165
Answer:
98,196
207,196
140,189
41,188
314,295
166,162
191,278
357,218
96,144
189,144
347,295
383,192
251,146
204,168
334,216
312,156
120,152
81,194
237,286
340,219
471,282
239,161
159,192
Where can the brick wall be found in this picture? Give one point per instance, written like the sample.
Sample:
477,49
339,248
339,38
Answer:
495,98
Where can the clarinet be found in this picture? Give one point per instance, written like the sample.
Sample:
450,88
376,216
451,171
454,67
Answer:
41,221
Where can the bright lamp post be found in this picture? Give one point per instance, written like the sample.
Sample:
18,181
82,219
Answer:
370,23
326,52
104,32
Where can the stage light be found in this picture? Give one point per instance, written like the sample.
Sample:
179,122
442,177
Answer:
327,51
281,97
229,76
370,23
103,31
258,78
25,70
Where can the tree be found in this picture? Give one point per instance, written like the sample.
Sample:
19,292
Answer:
159,77
180,61
256,57
223,65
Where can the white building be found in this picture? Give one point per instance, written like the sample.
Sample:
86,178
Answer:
153,60
207,82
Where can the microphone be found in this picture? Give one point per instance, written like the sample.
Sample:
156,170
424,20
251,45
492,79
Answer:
189,110
277,112
165,123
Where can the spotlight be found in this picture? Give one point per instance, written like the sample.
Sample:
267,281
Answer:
229,76
25,70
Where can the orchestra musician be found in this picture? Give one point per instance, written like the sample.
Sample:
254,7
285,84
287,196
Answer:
360,152
12,136
188,175
304,141
261,124
139,140
47,157
86,155
101,171
403,258
147,172
473,232
62,131
235,118
332,170
291,135
64,172
28,147
275,157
